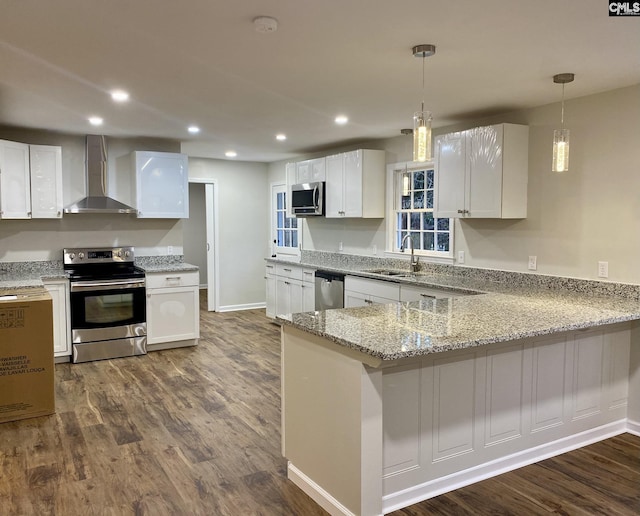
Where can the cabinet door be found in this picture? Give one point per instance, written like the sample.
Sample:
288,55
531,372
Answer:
411,293
484,178
271,291
46,181
162,185
308,297
317,169
334,191
172,314
295,296
303,172
283,295
15,189
61,335
352,184
450,175
354,299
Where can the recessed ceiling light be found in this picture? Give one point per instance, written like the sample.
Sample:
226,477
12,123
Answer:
119,95
95,120
341,120
231,154
281,137
193,129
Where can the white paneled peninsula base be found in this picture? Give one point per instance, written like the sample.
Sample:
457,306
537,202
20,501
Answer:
366,433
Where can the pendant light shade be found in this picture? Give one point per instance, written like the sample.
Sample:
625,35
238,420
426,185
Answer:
561,136
422,119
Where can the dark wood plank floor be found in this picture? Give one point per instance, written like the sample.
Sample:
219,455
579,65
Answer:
196,431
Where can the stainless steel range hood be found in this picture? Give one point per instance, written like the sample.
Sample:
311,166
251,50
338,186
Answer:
97,200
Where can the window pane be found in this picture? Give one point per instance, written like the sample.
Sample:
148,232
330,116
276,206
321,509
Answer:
294,222
418,200
428,241
443,241
430,199
415,221
280,238
402,220
280,200
401,236
287,222
443,224
294,239
406,202
418,180
280,223
287,239
430,179
428,220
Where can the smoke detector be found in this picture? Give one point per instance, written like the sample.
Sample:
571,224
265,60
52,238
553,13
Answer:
265,24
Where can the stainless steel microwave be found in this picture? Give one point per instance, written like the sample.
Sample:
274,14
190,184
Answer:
307,199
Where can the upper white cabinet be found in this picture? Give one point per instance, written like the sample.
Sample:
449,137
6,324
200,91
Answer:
355,184
310,171
15,196
482,172
30,181
46,181
160,185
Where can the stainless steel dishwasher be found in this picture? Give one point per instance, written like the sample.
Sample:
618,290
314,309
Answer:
329,290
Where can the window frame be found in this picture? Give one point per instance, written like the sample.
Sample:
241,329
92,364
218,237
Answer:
391,212
284,252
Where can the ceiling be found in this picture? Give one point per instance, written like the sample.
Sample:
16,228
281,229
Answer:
202,62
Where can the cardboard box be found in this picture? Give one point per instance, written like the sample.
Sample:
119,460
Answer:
26,354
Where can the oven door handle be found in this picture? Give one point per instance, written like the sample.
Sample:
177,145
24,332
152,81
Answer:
83,286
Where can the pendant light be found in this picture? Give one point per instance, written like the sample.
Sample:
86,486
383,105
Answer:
422,119
561,136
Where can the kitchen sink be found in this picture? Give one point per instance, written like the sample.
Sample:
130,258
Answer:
388,272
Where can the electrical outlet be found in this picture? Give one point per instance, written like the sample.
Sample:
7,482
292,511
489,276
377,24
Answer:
340,246
603,269
374,249
533,263
170,250
460,256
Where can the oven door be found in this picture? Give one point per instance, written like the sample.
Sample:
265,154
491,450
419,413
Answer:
107,309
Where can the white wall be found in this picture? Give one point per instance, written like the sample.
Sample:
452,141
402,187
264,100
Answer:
243,195
33,240
194,231
590,214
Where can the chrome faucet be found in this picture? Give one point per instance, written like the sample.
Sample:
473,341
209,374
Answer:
414,259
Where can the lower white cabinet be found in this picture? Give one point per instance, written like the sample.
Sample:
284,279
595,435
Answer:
59,292
173,308
290,289
364,292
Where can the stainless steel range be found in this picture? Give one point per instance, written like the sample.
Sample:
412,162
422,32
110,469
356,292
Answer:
107,303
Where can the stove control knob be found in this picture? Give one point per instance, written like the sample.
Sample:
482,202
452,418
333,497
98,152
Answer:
119,254
81,256
72,256
127,254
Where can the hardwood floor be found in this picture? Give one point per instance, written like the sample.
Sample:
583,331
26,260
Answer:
196,431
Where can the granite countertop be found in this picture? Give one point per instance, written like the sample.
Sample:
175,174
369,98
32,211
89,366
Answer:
169,267
507,306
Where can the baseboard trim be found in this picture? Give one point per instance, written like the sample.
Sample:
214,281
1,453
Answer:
316,493
633,427
172,345
419,493
248,306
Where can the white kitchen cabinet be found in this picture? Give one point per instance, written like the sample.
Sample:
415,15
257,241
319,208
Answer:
290,289
355,184
59,292
482,172
15,195
173,309
310,170
364,292
46,181
417,293
160,185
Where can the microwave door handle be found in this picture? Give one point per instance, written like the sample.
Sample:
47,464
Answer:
316,197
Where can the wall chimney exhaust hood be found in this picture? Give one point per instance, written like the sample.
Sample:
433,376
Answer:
97,200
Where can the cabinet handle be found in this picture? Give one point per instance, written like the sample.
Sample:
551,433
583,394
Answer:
269,266
173,278
59,213
368,301
460,211
287,270
287,283
427,295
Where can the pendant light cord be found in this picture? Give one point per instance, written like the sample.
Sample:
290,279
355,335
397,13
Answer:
562,109
422,84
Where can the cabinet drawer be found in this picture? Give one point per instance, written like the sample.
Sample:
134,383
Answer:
173,279
270,269
378,288
308,275
289,271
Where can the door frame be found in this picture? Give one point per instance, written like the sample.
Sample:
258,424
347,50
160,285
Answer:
212,238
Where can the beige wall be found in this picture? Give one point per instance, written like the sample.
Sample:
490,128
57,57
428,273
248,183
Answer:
32,240
590,214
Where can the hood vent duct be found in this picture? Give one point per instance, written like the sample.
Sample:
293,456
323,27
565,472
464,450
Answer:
97,200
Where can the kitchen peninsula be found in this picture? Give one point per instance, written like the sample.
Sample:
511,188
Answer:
387,405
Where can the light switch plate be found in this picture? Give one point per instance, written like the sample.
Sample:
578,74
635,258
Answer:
603,269
533,263
460,256
170,250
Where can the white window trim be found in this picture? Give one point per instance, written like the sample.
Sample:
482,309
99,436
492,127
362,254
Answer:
429,256
285,253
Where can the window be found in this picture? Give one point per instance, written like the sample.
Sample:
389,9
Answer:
285,229
413,204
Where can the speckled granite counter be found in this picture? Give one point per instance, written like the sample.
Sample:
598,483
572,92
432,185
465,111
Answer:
164,264
508,306
14,275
